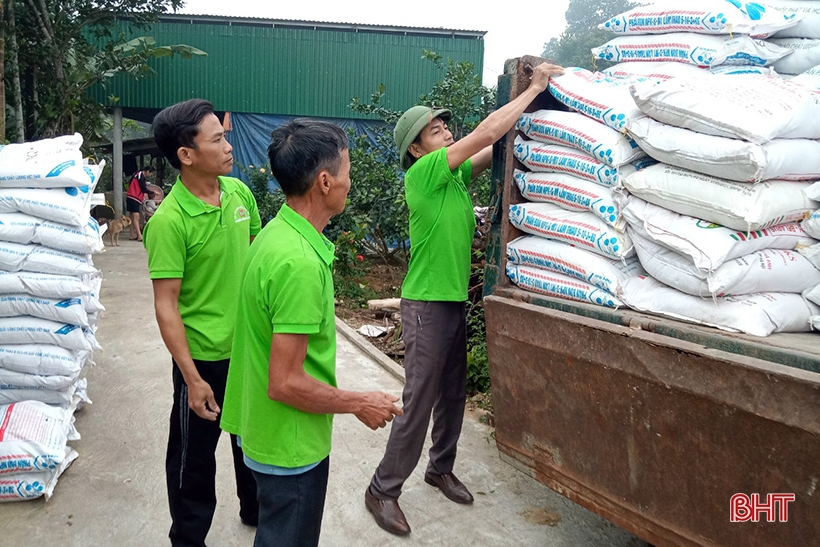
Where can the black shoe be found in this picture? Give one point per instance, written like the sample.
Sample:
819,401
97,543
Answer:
450,486
387,513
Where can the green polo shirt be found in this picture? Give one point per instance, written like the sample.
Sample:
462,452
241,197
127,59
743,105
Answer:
205,246
442,225
287,289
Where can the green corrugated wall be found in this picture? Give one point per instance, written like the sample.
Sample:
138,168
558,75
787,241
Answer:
290,71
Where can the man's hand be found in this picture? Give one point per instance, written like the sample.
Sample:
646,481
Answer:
201,401
377,409
541,75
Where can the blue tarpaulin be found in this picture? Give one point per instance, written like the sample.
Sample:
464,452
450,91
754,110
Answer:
250,136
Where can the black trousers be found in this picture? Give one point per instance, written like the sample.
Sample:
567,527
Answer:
190,463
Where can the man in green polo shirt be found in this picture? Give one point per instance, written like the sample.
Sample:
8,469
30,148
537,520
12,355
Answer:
282,392
197,242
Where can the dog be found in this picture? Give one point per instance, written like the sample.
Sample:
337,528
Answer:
115,226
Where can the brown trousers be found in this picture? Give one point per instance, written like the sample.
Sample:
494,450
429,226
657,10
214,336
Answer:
435,366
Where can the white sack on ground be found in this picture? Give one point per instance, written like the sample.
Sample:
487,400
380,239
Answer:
63,205
33,330
33,437
759,314
699,16
596,95
46,285
15,257
694,49
559,286
47,163
752,108
805,55
737,205
575,130
26,486
24,229
808,17
708,245
584,230
571,193
732,159
555,256
550,158
769,270
810,78
42,359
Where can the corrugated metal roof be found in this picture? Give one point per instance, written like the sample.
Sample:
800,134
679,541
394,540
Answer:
292,69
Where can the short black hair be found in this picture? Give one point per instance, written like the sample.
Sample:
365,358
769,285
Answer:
149,168
178,126
300,149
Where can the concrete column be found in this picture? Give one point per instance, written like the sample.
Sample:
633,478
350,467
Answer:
117,168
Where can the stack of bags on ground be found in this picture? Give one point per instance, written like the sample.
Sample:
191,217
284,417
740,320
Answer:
715,223
49,307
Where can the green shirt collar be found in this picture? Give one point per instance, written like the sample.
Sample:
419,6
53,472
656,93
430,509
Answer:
322,245
192,204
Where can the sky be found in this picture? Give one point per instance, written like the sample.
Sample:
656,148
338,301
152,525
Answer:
513,30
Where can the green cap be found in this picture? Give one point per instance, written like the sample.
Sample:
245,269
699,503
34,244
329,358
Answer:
410,125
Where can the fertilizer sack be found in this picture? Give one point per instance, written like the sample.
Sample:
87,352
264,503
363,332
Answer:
732,159
768,270
810,78
575,130
559,286
16,257
571,193
694,49
596,95
584,230
24,229
63,205
657,70
48,163
752,108
42,359
812,224
555,256
66,310
702,17
737,205
33,437
808,17
759,314
813,294
63,398
805,55
706,244
45,285
27,486
33,330
550,158
11,380
811,251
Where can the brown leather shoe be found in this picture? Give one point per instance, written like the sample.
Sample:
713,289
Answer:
450,486
387,513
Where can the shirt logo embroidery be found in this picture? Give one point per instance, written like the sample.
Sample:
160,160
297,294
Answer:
241,214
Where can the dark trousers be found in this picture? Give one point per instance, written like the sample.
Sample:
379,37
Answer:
190,463
435,367
291,507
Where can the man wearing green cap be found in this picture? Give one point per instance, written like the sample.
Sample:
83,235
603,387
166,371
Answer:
442,224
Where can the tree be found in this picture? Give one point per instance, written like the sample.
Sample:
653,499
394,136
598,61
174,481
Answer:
582,34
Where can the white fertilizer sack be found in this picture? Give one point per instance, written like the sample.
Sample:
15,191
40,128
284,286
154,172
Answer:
33,330
596,95
33,437
570,193
694,49
813,294
812,224
550,158
11,380
45,285
702,17
758,314
732,159
67,310
559,286
48,163
555,256
24,229
752,108
811,250
575,130
42,359
656,70
810,78
805,55
15,257
708,245
769,270
737,205
584,230
63,205
26,486
808,15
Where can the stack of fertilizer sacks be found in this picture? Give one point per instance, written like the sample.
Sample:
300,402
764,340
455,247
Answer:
713,218
49,306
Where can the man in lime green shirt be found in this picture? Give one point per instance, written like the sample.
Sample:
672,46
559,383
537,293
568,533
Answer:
281,391
197,242
433,312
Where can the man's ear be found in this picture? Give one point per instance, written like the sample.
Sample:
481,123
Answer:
184,155
323,182
414,150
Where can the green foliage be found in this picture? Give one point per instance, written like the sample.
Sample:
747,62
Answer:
573,47
349,270
267,202
478,366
